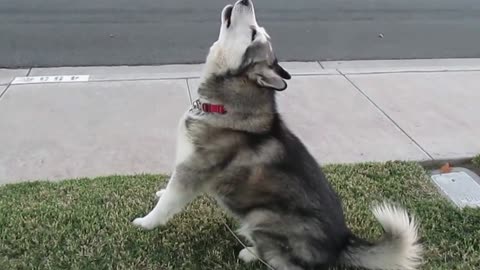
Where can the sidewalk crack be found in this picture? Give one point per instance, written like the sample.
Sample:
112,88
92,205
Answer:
4,91
386,115
188,90
320,63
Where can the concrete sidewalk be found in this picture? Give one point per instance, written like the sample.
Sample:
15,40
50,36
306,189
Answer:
122,120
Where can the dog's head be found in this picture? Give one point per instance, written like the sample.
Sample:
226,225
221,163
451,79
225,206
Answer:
244,48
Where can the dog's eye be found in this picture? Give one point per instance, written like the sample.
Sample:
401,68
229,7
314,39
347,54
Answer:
254,34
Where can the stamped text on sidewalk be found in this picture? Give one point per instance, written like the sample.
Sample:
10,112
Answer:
51,79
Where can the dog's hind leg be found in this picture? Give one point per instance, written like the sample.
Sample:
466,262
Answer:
248,254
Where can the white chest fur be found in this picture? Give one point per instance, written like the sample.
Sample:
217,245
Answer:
184,145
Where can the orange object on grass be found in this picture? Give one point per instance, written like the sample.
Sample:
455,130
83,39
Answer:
446,168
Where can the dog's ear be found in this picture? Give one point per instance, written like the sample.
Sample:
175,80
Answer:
280,71
272,78
266,71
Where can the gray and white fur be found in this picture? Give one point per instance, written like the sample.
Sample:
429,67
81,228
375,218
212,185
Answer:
261,172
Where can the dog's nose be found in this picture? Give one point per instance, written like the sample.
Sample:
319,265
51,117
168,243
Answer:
245,2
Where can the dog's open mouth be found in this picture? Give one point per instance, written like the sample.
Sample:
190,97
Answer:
227,15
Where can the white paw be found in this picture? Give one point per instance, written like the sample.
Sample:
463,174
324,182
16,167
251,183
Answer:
144,223
160,193
248,255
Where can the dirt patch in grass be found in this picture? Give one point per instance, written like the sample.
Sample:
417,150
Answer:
85,224
473,164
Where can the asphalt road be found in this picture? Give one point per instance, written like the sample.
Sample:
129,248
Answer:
133,32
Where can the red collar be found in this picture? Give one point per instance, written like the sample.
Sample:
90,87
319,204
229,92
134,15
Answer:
209,108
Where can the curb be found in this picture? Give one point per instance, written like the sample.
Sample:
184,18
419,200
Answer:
185,71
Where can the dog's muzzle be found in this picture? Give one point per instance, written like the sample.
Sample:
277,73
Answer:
245,2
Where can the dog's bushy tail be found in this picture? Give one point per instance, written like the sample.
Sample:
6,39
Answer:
399,248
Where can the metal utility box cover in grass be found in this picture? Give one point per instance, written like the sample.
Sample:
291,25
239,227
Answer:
461,186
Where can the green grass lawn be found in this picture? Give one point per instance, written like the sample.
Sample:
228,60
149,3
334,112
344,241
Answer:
85,224
476,161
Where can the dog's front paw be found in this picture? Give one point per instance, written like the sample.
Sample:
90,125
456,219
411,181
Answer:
144,223
248,255
160,193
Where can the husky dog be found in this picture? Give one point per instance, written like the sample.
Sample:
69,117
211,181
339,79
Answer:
234,146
